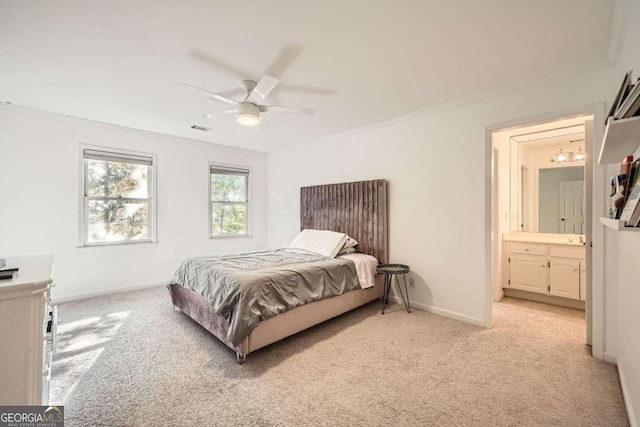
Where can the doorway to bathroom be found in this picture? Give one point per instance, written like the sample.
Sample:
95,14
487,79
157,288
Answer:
541,223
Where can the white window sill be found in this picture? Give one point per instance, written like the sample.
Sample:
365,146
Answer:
241,236
116,246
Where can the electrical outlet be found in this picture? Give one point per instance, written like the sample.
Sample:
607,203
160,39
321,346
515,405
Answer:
412,282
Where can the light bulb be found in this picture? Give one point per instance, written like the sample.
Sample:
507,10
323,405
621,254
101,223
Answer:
561,157
248,119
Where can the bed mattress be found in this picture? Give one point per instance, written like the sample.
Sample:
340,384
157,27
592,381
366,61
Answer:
250,287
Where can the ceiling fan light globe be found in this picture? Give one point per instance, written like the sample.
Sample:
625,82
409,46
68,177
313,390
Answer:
248,119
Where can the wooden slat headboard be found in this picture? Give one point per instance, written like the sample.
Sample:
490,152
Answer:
359,209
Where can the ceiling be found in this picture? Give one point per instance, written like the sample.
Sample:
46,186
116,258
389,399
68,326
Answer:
356,62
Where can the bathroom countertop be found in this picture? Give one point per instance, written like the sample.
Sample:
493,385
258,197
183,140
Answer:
545,239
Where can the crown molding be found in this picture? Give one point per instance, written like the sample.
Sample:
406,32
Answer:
13,108
584,68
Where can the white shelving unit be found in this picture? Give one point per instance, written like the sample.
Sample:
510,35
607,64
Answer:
621,139
617,224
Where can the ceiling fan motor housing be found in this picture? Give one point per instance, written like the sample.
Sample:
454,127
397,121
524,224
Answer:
248,108
248,114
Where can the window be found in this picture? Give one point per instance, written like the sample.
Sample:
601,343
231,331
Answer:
229,201
117,198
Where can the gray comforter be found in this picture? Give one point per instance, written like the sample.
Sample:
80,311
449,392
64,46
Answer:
249,287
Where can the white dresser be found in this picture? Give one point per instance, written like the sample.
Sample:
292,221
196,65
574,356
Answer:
27,331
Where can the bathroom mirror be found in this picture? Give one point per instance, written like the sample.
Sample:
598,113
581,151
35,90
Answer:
561,200
552,193
552,200
540,178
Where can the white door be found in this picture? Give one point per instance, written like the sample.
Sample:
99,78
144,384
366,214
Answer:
564,278
528,273
572,207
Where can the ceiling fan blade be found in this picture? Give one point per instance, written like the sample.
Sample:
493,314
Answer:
215,113
235,92
284,59
265,85
213,94
220,65
290,110
307,89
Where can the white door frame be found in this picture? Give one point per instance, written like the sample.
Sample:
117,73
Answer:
595,207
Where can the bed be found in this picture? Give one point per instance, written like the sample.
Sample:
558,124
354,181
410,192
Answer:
358,209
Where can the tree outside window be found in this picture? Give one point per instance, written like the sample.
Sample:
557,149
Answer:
229,195
117,197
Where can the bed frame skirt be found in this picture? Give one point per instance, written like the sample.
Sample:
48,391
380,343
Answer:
281,326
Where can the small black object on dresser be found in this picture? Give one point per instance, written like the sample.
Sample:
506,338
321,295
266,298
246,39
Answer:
8,273
390,271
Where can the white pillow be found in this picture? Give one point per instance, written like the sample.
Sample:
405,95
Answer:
322,242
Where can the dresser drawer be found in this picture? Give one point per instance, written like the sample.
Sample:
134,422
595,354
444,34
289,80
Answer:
528,248
567,252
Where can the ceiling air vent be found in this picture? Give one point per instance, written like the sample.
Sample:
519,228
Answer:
202,128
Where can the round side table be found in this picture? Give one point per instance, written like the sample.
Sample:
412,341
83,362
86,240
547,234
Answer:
390,271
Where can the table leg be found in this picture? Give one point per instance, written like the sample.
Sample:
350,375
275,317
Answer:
406,291
385,295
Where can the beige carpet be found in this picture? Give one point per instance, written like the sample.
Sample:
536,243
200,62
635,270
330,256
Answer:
128,359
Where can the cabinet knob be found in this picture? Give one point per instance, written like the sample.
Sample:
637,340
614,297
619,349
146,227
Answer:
575,269
543,265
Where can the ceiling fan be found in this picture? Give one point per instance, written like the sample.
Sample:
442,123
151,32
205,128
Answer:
248,112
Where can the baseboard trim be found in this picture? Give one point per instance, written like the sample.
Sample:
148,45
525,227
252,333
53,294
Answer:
611,358
547,299
105,292
627,398
441,312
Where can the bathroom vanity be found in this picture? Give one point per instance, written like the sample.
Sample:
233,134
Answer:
544,264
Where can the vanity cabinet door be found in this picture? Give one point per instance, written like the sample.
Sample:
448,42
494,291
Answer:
528,273
564,278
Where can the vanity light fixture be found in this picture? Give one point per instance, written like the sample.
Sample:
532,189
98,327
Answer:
569,157
559,157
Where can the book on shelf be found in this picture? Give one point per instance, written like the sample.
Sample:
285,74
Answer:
624,90
634,220
627,101
631,211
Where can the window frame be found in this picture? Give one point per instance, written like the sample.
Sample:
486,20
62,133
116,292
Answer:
238,169
83,198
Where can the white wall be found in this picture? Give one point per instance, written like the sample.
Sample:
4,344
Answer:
435,163
622,262
39,204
